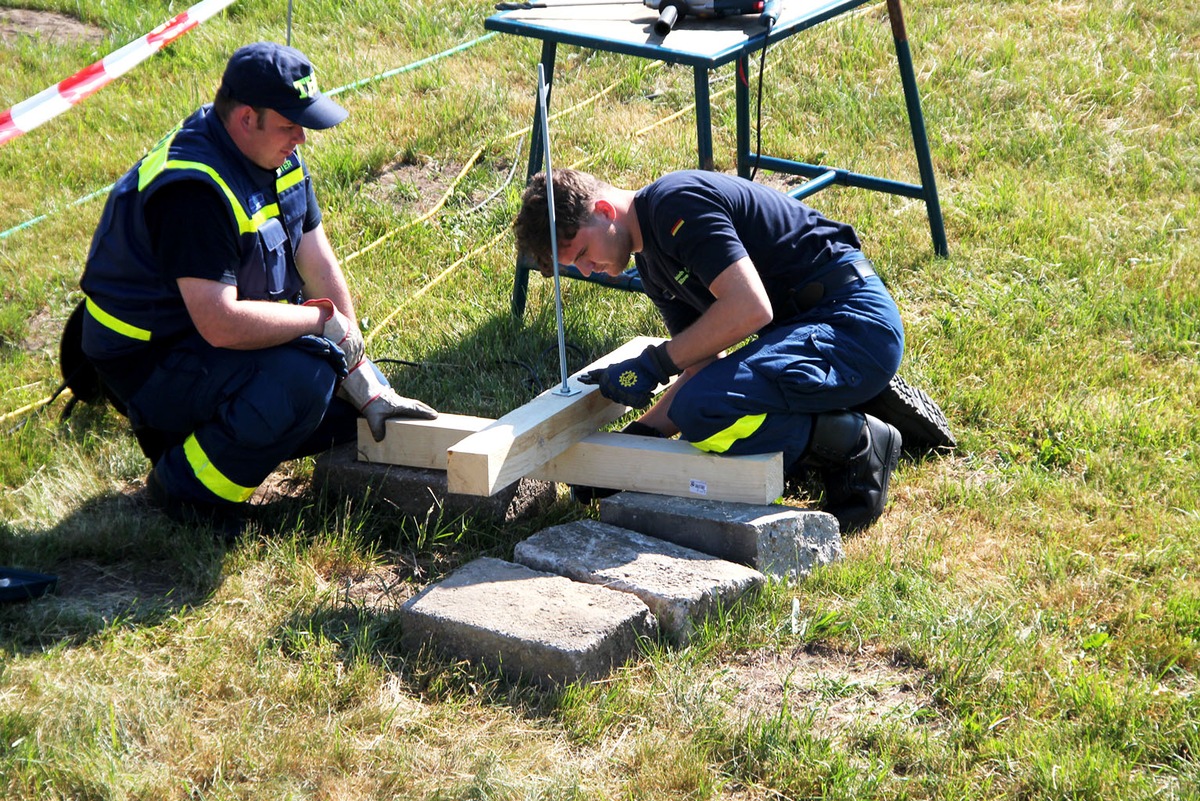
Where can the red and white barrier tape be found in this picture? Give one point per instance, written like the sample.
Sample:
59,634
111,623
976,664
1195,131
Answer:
45,105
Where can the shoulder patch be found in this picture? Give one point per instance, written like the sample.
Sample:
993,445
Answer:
675,228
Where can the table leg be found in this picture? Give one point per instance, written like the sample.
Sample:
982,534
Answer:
703,119
741,94
537,158
917,122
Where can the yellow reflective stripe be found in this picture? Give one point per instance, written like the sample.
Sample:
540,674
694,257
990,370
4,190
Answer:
155,161
247,224
722,440
108,321
210,476
288,180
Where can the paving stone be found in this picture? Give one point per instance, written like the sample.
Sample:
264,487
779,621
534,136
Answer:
780,541
680,585
526,622
416,492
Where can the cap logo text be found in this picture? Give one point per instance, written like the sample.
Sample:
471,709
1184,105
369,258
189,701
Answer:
306,86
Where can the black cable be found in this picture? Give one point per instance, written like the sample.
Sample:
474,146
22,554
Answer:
762,67
534,381
397,361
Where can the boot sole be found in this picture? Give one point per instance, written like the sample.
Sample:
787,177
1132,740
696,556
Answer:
917,417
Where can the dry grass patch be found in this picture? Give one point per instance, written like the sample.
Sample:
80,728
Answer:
834,691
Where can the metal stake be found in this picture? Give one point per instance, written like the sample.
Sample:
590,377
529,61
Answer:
565,389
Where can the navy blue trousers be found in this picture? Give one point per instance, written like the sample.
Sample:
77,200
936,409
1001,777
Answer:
762,397
228,418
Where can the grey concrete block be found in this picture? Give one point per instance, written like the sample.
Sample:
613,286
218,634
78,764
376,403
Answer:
416,492
681,586
525,622
777,540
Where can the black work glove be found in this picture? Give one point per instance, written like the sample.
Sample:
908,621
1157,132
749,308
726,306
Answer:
633,381
322,347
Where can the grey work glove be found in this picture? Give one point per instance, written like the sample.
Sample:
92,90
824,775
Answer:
369,391
341,332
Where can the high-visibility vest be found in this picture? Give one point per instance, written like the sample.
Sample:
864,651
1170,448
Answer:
132,305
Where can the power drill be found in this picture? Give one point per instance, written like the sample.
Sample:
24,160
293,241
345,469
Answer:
671,11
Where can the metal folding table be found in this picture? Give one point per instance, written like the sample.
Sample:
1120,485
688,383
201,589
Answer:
706,44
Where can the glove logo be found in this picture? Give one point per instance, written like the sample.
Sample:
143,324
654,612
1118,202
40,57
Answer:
627,379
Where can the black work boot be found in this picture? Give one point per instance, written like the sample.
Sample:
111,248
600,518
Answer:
918,418
226,521
856,454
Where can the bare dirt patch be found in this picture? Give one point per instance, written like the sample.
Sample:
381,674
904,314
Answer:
43,332
382,589
414,187
47,25
833,691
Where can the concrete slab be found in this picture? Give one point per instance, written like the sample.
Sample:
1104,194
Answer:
525,622
779,541
681,586
417,492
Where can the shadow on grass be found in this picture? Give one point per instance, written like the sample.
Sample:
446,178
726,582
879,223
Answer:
496,366
118,563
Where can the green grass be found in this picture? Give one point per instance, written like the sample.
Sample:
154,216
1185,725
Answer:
1023,623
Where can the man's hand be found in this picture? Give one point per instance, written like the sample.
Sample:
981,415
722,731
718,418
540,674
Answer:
374,398
340,331
633,381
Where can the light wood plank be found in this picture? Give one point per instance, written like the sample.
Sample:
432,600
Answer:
666,467
417,443
616,461
529,436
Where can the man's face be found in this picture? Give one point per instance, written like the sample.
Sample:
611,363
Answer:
602,246
269,138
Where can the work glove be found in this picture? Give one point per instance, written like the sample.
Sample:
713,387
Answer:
633,381
320,346
341,332
375,399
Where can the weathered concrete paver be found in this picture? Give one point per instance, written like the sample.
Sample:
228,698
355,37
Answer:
680,585
522,621
780,541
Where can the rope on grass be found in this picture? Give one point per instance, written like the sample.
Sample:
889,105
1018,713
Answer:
677,114
414,65
29,407
436,208
434,282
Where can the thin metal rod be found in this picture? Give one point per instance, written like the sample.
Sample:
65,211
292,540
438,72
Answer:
565,389
289,25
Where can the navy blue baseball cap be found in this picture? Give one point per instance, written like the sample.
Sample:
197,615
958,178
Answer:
278,77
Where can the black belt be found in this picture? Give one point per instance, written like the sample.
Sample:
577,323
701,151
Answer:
809,296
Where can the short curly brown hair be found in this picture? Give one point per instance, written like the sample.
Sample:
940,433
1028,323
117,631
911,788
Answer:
575,194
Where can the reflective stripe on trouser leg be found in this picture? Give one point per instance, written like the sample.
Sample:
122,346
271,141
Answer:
212,478
241,414
836,357
724,439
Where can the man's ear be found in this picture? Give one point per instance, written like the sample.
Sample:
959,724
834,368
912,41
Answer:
605,209
245,117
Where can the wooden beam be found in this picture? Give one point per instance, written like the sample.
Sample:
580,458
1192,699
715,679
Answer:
526,438
616,461
666,467
417,443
